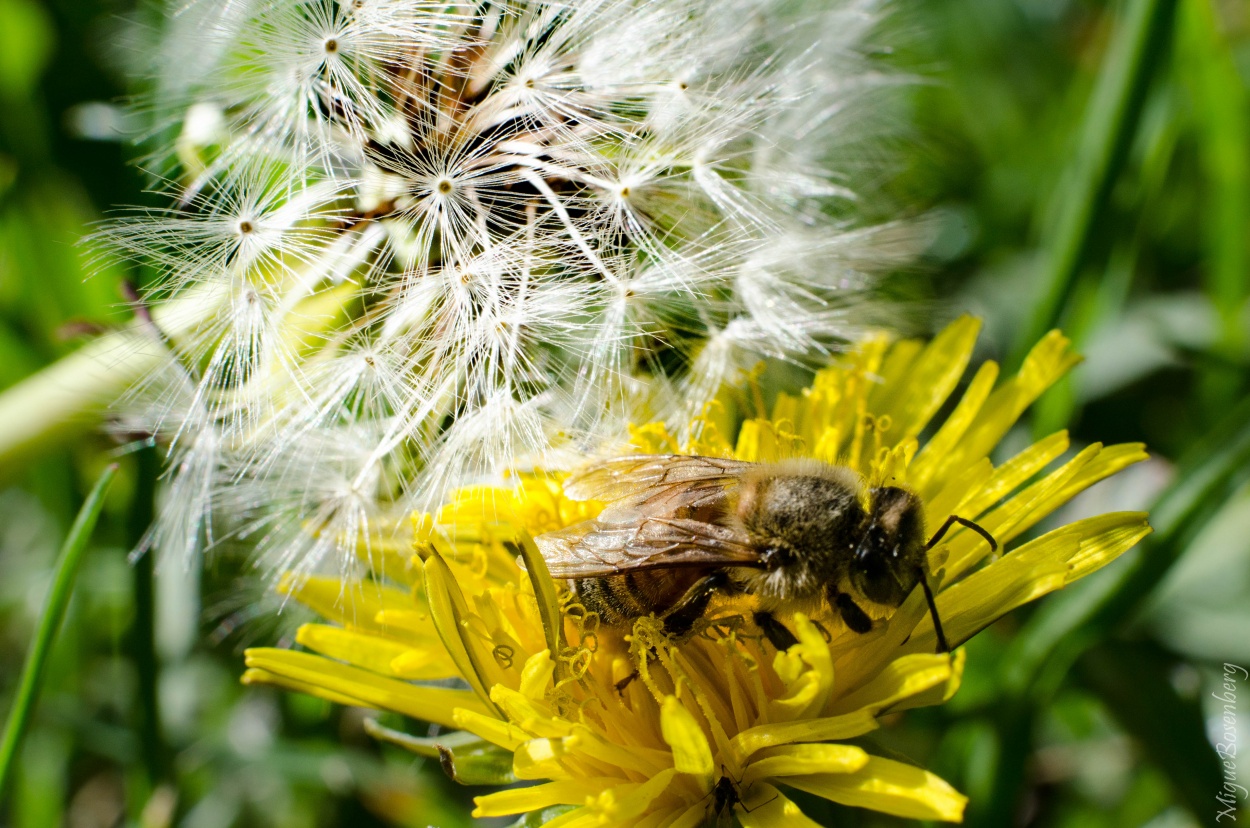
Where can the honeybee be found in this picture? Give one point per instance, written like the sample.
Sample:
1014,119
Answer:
798,534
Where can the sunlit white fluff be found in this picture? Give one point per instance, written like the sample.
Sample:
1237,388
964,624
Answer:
430,241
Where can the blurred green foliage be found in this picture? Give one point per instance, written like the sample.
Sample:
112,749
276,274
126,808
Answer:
1089,711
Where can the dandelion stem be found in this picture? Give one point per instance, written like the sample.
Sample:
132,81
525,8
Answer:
69,396
58,599
1111,119
143,631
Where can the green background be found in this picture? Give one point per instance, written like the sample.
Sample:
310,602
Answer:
1096,154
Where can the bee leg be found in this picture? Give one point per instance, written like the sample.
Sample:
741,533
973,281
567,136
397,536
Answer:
679,620
942,645
776,632
625,682
855,618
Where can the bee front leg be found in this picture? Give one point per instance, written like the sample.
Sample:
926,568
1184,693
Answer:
680,619
852,615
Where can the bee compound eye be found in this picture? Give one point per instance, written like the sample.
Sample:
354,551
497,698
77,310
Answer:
879,582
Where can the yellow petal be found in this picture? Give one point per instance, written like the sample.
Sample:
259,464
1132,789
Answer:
377,654
424,663
694,816
891,376
1034,503
799,760
537,797
351,605
388,558
627,802
933,457
533,716
1014,472
632,757
770,808
828,729
900,679
809,689
492,729
536,675
983,597
544,593
255,675
956,490
431,704
576,818
540,759
888,786
1040,566
670,817
691,752
1106,537
929,380
1049,360
938,693
449,611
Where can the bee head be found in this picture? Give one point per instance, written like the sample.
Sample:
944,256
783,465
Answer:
888,559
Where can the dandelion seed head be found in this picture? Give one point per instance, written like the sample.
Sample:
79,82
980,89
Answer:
412,242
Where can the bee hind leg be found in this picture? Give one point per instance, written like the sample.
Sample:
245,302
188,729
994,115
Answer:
680,619
777,633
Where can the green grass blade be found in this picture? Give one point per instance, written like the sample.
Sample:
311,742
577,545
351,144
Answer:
1111,120
1221,112
58,599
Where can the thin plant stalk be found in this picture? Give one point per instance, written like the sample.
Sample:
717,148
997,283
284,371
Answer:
1222,127
58,599
143,631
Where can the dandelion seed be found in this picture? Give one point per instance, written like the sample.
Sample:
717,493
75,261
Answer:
722,724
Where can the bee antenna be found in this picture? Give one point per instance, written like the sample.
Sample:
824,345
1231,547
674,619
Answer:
962,521
942,645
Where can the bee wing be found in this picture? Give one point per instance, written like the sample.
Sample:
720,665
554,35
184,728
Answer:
595,548
654,483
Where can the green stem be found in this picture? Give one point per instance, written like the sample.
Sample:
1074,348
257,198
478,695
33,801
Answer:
72,394
1110,123
143,631
58,599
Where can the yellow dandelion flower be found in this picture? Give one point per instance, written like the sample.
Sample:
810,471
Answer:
721,725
